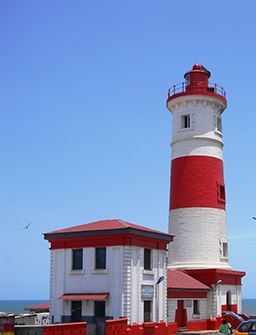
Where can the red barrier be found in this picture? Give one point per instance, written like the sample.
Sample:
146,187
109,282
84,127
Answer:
214,324
135,329
75,328
149,328
120,327
116,327
172,328
197,325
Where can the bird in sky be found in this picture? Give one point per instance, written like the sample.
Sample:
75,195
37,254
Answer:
254,218
27,226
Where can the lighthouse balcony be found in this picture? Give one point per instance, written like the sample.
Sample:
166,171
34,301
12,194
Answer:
183,89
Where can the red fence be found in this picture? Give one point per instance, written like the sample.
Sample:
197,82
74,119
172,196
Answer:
120,327
75,328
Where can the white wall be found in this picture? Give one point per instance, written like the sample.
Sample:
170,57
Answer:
217,298
88,280
122,279
198,234
202,138
188,305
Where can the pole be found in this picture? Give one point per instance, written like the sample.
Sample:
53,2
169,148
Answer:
157,306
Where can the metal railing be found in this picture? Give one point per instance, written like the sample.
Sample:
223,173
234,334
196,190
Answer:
181,88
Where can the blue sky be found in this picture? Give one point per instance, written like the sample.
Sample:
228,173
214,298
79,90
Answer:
84,131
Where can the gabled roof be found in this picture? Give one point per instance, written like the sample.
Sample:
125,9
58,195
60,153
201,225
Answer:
107,227
178,280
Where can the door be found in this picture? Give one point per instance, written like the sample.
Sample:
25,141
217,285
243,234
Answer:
76,311
181,314
147,310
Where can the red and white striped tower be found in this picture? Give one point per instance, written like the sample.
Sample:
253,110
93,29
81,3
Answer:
197,196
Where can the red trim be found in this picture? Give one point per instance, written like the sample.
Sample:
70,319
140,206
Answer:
195,182
198,92
86,296
105,241
212,276
186,294
232,308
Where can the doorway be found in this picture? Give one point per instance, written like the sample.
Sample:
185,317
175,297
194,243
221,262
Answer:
76,311
147,310
181,315
228,301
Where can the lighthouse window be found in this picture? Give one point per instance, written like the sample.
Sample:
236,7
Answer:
185,121
222,192
219,124
224,249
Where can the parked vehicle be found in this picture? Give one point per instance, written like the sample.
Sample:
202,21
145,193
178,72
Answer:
246,327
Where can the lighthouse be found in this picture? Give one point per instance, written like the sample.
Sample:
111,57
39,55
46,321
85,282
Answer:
197,196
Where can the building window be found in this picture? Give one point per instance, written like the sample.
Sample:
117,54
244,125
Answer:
185,121
147,310
219,124
147,259
222,192
187,79
196,310
100,258
77,259
224,249
99,309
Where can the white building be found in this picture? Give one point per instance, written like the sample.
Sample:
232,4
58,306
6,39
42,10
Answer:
107,269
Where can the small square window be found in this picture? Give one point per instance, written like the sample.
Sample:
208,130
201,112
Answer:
185,121
147,259
100,258
77,259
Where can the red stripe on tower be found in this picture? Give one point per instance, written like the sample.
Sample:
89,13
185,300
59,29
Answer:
197,181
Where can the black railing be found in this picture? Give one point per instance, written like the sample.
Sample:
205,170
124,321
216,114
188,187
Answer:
181,88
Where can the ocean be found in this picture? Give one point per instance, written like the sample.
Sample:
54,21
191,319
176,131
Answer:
17,306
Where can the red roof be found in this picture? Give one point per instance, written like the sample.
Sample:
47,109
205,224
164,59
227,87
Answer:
38,307
86,296
177,279
105,225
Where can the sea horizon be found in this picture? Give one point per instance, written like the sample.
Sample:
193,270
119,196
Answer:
17,306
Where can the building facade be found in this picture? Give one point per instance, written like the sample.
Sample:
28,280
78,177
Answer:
108,269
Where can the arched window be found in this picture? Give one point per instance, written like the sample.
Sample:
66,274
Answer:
228,301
